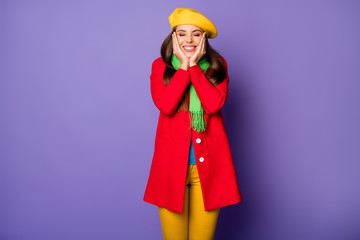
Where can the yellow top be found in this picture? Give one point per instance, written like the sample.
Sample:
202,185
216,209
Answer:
188,16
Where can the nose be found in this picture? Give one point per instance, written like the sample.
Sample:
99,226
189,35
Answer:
189,39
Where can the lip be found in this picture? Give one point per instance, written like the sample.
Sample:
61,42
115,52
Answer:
189,50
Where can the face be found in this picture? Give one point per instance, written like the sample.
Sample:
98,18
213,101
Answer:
189,37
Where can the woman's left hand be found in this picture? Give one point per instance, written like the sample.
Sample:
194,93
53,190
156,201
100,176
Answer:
200,51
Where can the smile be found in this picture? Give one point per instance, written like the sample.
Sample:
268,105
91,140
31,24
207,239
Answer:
189,49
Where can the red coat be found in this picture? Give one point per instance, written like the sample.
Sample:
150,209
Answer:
166,182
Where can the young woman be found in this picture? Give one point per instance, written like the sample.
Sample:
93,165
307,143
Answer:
192,173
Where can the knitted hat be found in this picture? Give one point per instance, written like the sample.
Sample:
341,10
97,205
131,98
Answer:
188,16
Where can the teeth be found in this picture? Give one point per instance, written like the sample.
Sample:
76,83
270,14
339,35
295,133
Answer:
189,48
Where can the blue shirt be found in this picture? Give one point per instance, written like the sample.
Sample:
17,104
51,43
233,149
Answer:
192,154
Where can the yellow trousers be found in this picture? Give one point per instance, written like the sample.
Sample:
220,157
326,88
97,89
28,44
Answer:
194,222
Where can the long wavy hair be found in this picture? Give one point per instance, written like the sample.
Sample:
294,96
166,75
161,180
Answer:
215,74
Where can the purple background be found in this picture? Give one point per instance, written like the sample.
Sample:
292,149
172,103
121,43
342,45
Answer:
77,122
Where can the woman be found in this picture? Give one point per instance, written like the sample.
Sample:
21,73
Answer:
192,173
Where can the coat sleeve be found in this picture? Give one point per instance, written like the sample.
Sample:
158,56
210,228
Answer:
212,97
167,97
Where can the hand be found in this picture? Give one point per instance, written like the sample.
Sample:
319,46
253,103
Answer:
200,51
178,51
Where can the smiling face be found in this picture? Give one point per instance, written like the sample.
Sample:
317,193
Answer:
189,37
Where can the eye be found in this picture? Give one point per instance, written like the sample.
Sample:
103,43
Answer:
196,35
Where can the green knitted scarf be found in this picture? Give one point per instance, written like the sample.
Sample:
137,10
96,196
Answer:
197,120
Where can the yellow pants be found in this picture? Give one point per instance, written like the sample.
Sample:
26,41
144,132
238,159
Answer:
194,221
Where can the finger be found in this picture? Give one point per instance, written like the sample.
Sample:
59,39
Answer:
174,42
204,46
180,49
179,52
203,39
200,48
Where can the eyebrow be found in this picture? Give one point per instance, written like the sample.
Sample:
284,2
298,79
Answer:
185,31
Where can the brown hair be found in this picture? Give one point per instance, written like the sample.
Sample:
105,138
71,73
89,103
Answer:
216,65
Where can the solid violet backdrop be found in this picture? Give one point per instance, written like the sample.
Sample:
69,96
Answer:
77,122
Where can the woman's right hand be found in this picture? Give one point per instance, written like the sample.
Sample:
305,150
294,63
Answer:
179,53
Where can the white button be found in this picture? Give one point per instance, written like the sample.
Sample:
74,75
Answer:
198,140
201,159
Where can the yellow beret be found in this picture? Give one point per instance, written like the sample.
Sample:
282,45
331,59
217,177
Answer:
188,16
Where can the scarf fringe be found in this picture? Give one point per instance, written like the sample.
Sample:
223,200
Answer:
197,121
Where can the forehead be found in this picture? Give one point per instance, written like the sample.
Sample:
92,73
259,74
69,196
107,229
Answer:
190,28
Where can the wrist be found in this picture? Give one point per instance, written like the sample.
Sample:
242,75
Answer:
192,64
184,65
